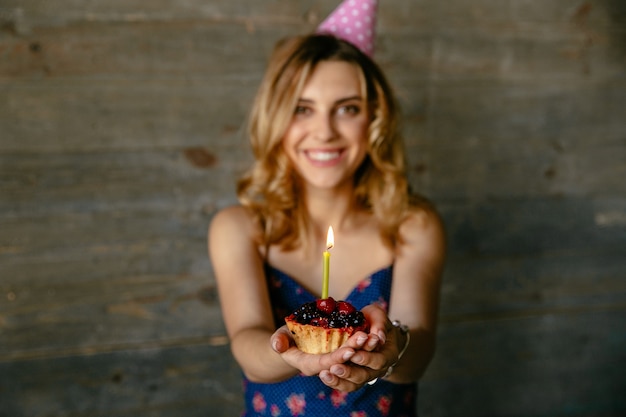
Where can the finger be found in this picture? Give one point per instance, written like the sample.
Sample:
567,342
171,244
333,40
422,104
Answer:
350,377
340,384
341,355
328,379
312,364
281,340
308,364
373,341
357,340
379,322
362,340
376,361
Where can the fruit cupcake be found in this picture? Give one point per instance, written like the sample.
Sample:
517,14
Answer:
322,326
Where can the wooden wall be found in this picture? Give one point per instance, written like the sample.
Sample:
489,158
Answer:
122,130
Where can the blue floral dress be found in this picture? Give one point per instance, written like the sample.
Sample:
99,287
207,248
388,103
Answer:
308,396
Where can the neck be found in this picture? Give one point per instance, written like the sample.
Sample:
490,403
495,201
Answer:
333,207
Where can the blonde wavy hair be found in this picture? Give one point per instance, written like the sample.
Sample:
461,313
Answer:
270,188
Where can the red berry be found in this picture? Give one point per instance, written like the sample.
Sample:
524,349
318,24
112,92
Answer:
345,307
326,305
320,322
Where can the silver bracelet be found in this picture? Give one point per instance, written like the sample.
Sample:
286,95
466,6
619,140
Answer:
404,329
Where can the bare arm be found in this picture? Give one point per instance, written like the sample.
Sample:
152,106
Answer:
415,294
246,309
414,302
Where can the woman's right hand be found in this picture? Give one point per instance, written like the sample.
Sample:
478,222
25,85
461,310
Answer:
312,364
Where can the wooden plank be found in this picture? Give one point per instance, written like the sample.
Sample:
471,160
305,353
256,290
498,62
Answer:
205,48
63,317
139,49
127,265
550,226
470,42
507,16
567,364
38,13
558,57
82,115
195,77
398,14
184,179
491,288
518,140
516,111
181,381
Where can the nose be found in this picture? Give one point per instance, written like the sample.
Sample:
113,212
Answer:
324,128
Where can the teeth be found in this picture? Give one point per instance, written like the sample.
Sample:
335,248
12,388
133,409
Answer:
323,156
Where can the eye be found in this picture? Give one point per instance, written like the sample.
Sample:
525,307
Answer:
301,110
349,109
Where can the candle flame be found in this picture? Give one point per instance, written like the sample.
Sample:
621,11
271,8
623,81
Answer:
330,238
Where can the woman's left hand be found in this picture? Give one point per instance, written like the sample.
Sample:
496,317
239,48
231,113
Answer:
370,362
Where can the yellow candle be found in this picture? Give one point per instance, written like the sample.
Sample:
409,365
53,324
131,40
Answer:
326,270
330,242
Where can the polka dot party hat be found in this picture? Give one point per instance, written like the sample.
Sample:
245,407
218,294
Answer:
353,21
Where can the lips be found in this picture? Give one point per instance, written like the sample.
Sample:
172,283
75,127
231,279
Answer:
323,156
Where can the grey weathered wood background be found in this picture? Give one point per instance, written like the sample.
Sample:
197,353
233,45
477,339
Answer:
121,133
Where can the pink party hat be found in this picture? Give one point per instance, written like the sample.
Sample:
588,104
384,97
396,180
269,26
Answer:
353,21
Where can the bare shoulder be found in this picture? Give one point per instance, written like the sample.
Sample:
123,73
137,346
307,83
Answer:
419,264
232,228
233,219
422,223
422,245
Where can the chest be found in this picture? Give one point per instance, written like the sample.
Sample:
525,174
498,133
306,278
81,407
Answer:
353,258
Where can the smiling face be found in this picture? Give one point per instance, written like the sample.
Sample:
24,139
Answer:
326,140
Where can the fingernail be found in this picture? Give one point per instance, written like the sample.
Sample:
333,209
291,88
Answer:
339,371
346,356
361,340
373,342
382,337
275,345
326,376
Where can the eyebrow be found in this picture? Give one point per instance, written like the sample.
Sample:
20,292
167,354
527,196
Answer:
340,101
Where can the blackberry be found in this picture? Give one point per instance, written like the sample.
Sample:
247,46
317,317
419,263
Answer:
355,319
343,315
305,313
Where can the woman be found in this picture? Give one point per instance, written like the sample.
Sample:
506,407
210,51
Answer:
327,152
